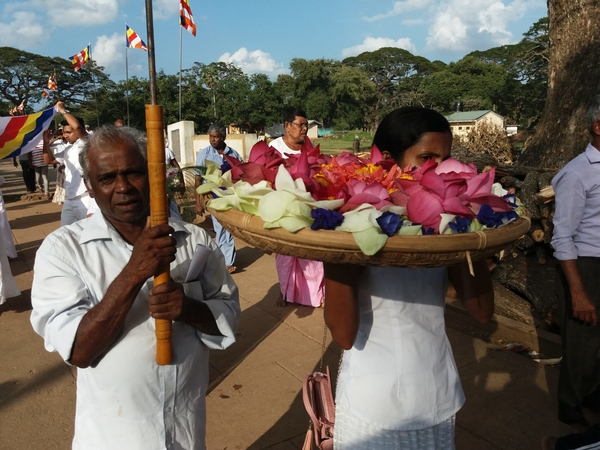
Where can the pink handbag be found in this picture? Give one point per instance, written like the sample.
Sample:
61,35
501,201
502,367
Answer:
319,403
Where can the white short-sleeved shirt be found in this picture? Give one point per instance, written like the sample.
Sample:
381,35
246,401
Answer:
169,155
280,145
127,401
401,374
69,157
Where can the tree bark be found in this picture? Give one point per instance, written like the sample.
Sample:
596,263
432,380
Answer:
573,79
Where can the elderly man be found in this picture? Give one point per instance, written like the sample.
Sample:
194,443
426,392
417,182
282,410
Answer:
577,247
77,198
216,152
93,303
296,128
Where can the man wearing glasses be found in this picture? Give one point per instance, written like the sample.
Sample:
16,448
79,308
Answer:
296,127
300,280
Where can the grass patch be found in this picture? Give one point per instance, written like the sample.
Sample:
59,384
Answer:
340,141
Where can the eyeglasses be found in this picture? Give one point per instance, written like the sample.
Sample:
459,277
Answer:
301,125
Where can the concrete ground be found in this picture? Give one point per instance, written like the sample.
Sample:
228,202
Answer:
255,389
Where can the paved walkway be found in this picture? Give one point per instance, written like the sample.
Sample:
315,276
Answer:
254,400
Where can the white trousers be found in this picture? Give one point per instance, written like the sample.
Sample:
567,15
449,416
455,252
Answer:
74,209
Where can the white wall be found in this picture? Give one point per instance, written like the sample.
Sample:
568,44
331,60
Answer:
241,143
180,136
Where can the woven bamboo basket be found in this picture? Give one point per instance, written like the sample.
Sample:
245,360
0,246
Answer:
401,251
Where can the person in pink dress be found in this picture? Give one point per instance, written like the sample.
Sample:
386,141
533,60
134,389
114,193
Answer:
300,280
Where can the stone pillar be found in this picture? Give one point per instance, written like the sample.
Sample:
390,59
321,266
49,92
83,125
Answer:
180,135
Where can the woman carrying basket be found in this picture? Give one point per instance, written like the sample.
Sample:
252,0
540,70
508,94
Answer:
398,386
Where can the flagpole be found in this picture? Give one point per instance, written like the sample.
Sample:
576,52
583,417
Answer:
95,88
127,81
180,57
157,177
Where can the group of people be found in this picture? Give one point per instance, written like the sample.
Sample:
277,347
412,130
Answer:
94,301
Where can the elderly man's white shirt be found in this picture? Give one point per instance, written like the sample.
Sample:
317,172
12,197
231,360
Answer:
127,401
280,145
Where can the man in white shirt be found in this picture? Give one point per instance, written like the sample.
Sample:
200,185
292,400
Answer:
94,303
76,195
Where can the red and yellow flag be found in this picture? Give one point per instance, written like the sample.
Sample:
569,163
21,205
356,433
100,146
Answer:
185,14
133,40
20,134
80,58
52,85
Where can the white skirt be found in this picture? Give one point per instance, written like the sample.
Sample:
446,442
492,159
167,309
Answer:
353,434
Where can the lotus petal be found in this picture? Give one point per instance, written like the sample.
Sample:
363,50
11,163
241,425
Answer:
370,241
274,205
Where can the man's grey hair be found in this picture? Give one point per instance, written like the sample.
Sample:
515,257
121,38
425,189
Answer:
593,112
217,127
107,136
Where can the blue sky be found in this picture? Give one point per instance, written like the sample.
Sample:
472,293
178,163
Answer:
262,36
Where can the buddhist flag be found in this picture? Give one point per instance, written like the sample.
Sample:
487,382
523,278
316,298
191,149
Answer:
133,40
45,93
21,134
52,85
80,58
185,14
21,107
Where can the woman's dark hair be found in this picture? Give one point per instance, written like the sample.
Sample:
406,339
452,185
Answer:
403,127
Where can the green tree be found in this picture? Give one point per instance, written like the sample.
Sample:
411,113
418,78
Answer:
397,75
23,75
526,65
479,84
353,92
313,87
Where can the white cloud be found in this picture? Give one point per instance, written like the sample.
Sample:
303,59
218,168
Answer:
370,44
461,25
22,31
109,51
69,13
255,61
165,9
401,8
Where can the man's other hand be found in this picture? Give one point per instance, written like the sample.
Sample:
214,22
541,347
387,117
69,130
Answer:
166,301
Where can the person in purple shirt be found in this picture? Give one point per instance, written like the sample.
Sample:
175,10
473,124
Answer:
576,242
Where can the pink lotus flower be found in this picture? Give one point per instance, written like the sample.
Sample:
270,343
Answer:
450,187
249,172
360,192
264,155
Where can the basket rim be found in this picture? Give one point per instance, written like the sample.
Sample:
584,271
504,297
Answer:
341,240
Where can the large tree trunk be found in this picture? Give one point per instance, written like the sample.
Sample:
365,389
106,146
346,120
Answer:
573,79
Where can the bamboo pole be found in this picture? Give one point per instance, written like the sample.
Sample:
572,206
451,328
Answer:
159,211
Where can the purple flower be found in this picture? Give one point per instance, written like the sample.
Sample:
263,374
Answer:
389,223
225,167
172,173
460,224
491,219
427,231
511,199
325,219
223,188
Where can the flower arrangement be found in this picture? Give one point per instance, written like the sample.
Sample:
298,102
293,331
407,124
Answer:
372,198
